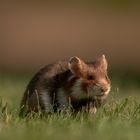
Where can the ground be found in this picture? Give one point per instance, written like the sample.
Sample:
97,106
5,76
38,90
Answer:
119,118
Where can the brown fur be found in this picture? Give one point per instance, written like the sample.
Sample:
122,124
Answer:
44,88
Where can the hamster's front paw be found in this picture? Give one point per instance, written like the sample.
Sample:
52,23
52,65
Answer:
93,110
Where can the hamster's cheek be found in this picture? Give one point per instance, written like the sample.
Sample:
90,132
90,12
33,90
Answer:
85,84
94,91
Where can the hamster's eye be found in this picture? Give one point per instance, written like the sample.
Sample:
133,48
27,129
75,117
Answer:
90,77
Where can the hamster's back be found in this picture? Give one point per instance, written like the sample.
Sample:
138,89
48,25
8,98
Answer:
48,77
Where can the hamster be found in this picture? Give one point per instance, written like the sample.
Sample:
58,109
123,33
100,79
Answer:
75,82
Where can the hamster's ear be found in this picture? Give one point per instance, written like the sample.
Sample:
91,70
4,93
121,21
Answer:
102,62
75,65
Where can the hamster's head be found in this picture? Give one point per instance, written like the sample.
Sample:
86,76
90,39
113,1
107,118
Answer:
89,79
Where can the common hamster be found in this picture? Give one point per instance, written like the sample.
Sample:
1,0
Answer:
75,82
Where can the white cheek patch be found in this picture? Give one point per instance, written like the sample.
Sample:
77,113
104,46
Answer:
77,91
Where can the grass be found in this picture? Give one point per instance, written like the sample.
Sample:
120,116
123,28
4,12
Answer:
119,118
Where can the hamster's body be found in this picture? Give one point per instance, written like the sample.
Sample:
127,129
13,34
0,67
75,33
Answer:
74,82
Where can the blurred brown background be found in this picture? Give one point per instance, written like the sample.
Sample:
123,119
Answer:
34,35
